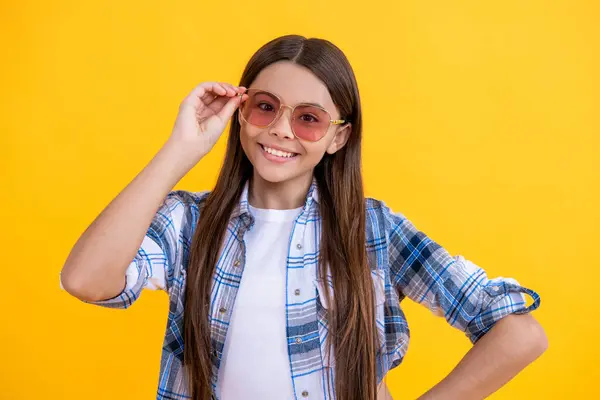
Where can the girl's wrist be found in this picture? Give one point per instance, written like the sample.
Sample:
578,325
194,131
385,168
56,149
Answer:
180,158
174,162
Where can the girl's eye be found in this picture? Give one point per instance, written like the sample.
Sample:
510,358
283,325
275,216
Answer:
308,118
265,106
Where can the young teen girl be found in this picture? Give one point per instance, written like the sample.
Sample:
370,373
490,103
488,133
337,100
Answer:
284,281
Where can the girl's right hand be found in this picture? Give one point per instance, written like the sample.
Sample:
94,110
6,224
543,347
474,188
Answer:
203,115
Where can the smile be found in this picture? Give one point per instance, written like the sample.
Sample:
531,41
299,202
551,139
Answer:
279,154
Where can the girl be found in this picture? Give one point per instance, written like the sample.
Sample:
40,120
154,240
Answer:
284,281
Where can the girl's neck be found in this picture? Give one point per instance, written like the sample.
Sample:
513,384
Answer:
280,195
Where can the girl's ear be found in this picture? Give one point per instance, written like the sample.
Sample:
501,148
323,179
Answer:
340,139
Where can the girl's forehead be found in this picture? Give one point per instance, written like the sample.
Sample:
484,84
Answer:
293,84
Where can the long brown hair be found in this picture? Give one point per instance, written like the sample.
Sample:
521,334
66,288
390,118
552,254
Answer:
341,200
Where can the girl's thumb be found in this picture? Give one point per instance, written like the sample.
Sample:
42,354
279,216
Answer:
229,108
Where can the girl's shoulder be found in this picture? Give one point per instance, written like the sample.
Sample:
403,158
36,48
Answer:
379,208
381,218
187,198
181,208
372,203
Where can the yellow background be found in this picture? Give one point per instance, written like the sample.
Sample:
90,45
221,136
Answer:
481,126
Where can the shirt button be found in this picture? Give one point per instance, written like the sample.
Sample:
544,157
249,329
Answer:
297,292
495,288
236,263
298,340
298,246
222,310
305,393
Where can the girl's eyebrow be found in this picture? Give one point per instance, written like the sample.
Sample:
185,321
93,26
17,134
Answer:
261,91
313,104
266,92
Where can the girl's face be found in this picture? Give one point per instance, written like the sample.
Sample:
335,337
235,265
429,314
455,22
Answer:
293,84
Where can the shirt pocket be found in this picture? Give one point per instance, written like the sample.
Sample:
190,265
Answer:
378,278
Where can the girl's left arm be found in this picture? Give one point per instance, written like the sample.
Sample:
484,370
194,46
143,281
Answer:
511,344
492,312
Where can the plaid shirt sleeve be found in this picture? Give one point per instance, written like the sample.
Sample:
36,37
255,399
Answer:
154,265
450,286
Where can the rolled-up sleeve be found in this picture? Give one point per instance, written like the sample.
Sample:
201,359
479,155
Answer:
450,286
160,255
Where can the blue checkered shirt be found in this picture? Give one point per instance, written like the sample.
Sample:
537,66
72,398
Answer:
404,262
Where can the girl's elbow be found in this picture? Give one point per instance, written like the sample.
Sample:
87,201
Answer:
537,340
525,336
540,340
79,286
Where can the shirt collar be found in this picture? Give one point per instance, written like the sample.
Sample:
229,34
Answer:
242,209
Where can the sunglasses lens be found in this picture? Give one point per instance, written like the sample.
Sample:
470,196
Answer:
310,123
260,109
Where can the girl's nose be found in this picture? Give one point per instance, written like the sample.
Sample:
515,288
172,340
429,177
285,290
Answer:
283,125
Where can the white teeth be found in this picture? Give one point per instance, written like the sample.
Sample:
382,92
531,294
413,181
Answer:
278,153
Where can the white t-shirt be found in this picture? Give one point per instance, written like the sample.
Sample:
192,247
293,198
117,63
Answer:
255,363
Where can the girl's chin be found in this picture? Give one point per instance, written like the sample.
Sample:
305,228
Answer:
273,174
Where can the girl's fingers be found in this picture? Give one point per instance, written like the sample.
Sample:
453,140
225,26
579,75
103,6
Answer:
208,97
197,93
207,92
236,89
229,108
228,90
231,90
219,89
203,92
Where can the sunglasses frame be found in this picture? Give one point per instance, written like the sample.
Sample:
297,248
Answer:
292,108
